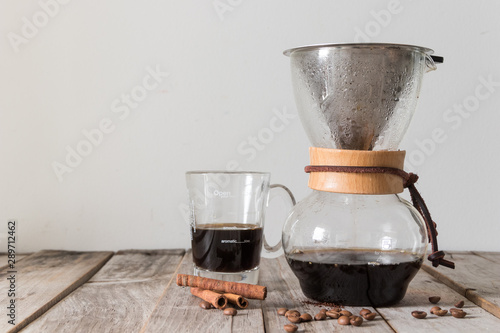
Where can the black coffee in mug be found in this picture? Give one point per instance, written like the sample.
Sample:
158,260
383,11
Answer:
228,247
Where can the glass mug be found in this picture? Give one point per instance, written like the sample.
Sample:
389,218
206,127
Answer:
227,211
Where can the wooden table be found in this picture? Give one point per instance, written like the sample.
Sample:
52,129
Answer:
135,291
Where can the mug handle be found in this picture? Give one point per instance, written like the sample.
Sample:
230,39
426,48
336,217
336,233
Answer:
285,192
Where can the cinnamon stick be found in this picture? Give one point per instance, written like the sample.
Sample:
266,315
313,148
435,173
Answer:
243,289
238,300
217,300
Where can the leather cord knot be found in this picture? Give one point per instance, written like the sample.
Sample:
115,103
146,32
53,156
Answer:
409,180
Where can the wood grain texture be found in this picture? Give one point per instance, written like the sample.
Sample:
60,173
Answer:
178,311
119,298
3,259
492,256
46,277
476,277
278,295
417,298
135,291
284,291
357,183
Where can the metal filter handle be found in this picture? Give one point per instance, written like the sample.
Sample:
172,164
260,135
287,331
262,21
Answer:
437,59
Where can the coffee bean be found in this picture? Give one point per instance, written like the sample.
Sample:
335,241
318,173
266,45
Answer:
289,312
294,318
290,327
336,309
230,312
434,299
459,313
370,316
440,313
320,316
282,311
306,317
332,314
346,313
459,304
356,321
435,308
323,310
205,305
344,320
419,314
364,311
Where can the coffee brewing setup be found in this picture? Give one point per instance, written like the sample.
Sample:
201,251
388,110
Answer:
353,240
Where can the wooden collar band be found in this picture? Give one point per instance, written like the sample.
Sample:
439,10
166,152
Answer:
356,183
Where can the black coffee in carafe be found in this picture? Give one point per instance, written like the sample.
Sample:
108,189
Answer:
355,277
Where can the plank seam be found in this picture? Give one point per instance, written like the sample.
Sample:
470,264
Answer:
483,303
469,293
479,255
262,316
386,321
77,284
103,282
174,277
289,291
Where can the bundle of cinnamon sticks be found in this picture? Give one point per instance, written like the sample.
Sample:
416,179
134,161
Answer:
219,293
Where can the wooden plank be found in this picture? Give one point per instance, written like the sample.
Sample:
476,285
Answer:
178,311
417,298
492,256
284,291
119,298
476,277
278,295
44,278
4,262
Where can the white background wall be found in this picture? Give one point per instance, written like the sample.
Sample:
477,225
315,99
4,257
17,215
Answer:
227,79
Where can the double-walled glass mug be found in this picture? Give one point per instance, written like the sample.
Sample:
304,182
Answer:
227,212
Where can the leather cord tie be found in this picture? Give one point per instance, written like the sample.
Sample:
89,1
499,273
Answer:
409,179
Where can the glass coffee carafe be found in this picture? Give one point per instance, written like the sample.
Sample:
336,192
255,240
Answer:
347,242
